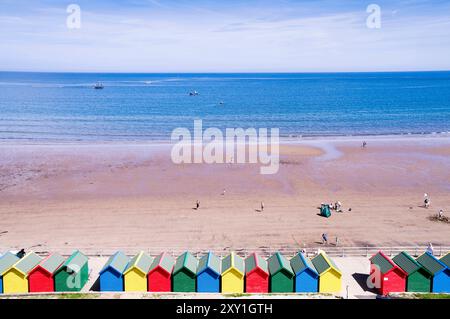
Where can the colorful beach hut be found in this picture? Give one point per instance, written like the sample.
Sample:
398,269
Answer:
306,276
419,278
42,277
208,273
256,274
135,275
73,274
233,272
159,277
281,274
15,279
391,277
184,273
6,262
111,275
330,277
446,260
441,273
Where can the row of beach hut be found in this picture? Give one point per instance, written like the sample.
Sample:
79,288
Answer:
210,273
32,273
403,273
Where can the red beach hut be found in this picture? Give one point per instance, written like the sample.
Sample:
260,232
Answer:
257,274
160,274
392,278
41,277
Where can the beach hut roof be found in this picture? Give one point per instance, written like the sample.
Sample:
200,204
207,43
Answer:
52,263
74,262
210,261
322,263
164,261
27,262
186,261
277,262
141,261
300,262
7,261
446,260
118,262
383,262
406,262
431,263
256,261
233,261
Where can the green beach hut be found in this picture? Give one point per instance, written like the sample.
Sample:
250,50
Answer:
419,278
73,274
281,274
184,273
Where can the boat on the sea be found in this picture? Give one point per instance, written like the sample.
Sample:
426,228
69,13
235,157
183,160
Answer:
98,86
193,93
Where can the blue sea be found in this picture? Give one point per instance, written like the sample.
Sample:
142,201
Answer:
64,107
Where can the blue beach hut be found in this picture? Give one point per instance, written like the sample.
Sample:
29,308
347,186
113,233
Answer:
440,281
6,262
306,276
111,276
208,273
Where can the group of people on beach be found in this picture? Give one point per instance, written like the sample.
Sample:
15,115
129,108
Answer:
325,239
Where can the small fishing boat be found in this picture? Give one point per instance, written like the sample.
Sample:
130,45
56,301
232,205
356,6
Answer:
193,93
98,86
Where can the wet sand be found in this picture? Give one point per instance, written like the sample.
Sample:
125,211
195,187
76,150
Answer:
103,197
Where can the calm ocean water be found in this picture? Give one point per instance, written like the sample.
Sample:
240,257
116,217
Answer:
137,107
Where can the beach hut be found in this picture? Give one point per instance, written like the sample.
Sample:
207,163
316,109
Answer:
391,277
419,279
256,274
208,273
330,277
73,274
111,275
306,276
325,210
15,279
42,277
446,260
281,274
160,275
6,262
184,272
441,273
233,272
135,275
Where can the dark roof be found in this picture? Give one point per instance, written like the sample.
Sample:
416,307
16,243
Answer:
431,263
446,260
406,262
233,261
300,262
210,261
27,263
256,261
165,261
52,263
186,261
322,263
75,262
383,262
119,262
7,261
141,261
277,262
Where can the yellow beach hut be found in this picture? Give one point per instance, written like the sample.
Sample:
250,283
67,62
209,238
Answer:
329,274
233,272
15,279
135,275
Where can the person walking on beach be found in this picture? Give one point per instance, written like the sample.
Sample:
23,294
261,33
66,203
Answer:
440,214
426,202
337,241
364,144
223,192
197,205
430,249
324,239
262,206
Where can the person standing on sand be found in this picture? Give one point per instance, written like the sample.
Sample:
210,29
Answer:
440,214
223,192
262,206
430,249
197,205
337,241
364,144
324,239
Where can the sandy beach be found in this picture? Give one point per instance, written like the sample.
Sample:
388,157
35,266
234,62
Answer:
129,196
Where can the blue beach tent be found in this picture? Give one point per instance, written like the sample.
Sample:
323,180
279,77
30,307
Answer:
111,276
208,273
306,276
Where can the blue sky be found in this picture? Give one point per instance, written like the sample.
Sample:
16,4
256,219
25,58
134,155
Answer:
224,36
